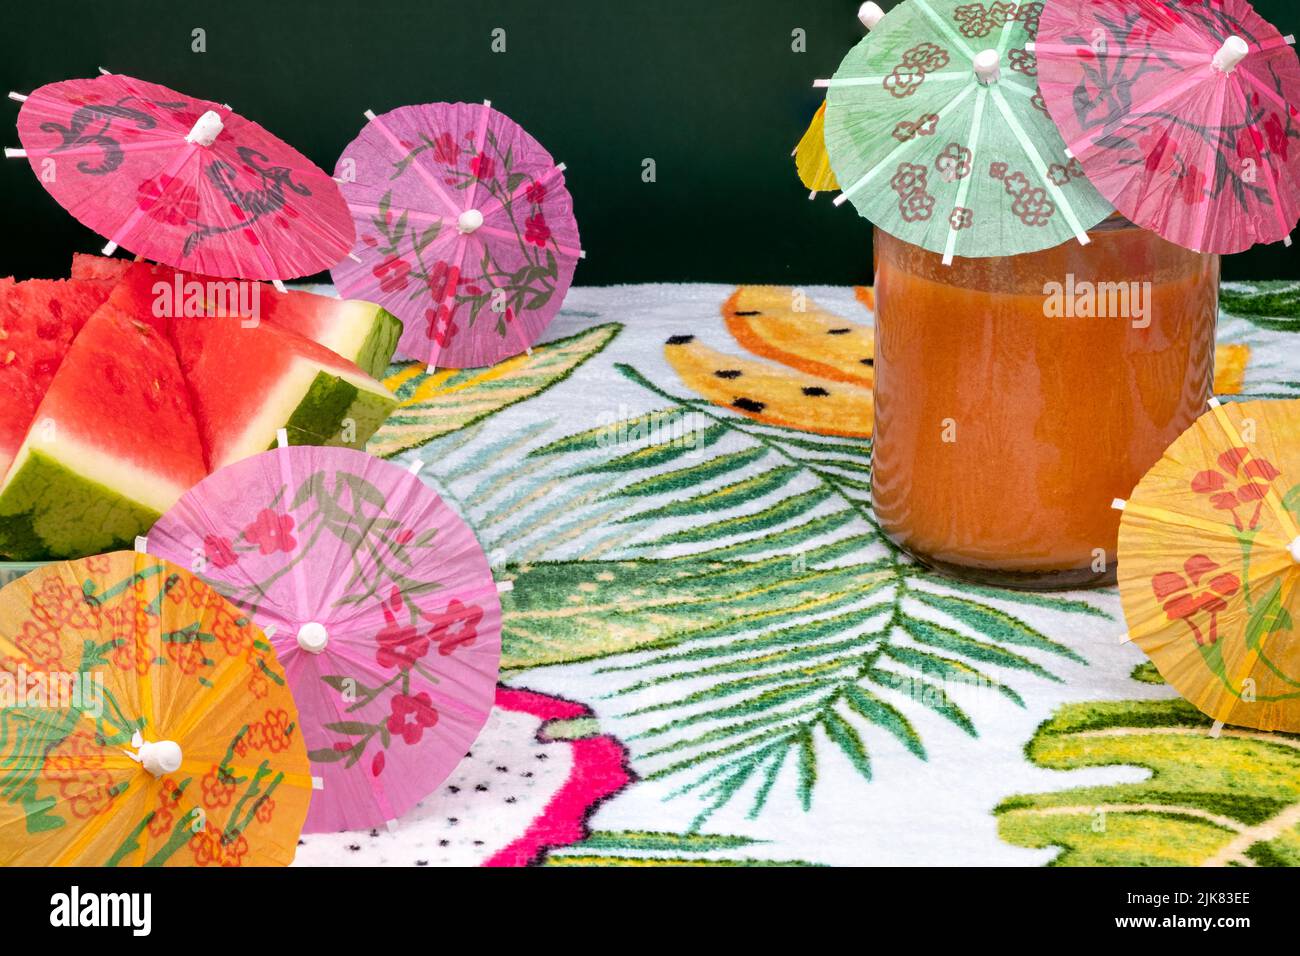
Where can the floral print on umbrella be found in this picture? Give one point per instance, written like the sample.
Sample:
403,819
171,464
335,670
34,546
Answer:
466,231
1208,158
375,561
245,205
149,645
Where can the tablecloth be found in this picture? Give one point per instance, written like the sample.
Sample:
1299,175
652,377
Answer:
711,656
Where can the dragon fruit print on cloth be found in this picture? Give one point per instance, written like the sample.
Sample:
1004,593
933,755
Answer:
183,181
465,231
527,787
384,612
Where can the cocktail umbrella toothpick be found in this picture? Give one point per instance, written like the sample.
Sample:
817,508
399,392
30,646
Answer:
1183,115
937,134
144,721
1209,564
465,230
384,609
182,181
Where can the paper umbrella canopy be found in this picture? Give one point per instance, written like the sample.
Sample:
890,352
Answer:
182,181
1184,115
1209,564
810,160
384,612
465,231
937,133
144,721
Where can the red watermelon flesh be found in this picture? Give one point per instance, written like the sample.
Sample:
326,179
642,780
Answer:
248,382
86,266
38,321
361,332
112,445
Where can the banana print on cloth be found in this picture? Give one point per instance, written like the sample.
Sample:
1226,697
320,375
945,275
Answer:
696,568
818,370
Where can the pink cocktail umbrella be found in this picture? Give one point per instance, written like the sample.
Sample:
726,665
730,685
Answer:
385,614
1182,114
465,231
182,181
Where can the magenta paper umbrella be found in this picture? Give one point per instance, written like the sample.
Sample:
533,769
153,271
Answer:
182,181
380,604
1183,114
465,231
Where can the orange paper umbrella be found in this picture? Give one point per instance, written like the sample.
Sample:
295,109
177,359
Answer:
143,721
1209,564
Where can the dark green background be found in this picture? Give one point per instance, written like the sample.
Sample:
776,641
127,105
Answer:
710,90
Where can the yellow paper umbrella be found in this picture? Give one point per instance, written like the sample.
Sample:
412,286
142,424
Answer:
810,157
143,721
1209,564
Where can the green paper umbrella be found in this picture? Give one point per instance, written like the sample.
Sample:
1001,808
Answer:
937,133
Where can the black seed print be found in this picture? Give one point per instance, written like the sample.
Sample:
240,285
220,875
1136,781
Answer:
815,391
748,405
681,340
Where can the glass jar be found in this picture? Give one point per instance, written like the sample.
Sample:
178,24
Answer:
1016,397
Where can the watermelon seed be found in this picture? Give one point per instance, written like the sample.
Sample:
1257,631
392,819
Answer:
680,340
748,405
867,361
752,312
728,373
815,391
838,331
9,357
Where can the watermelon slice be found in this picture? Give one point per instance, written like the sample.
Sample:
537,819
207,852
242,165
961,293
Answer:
112,445
361,332
38,321
248,382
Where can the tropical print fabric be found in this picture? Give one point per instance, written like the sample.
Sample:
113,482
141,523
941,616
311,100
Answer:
701,596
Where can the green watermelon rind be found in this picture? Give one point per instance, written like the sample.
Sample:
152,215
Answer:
37,520
330,403
377,350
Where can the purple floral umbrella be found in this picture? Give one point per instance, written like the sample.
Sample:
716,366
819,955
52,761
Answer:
465,231
385,614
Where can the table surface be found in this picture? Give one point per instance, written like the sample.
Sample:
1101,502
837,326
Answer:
677,687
